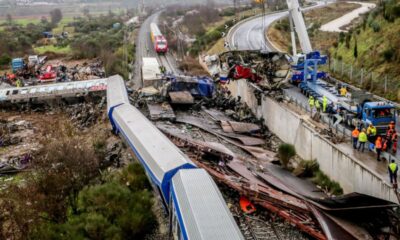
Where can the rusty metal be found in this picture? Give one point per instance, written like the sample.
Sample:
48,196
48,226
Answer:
303,221
288,207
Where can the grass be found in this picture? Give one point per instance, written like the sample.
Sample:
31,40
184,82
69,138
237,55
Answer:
22,21
52,48
371,46
321,40
217,48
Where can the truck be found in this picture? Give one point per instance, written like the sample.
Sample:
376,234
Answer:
151,72
356,108
17,64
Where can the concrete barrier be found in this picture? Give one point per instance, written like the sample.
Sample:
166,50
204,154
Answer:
290,127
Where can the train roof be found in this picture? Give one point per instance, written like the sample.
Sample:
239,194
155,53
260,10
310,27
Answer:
201,209
161,158
155,30
116,92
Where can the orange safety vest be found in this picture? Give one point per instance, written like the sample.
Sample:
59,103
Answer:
355,133
378,144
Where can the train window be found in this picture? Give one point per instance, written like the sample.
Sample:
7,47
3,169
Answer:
14,92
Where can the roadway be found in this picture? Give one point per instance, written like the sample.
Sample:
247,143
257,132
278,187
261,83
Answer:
250,34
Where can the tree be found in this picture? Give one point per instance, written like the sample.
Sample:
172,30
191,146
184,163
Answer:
347,42
285,153
9,19
55,16
355,49
44,20
86,12
118,209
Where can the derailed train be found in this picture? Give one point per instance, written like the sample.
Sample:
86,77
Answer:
194,203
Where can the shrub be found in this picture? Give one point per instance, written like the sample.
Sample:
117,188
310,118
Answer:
307,169
327,184
118,209
375,27
285,153
5,60
388,54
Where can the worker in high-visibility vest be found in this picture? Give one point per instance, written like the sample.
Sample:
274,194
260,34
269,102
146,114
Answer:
317,105
393,169
324,103
371,133
354,135
311,103
18,83
378,148
343,91
362,139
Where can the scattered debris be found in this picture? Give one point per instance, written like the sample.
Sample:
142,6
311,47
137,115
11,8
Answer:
181,97
161,111
84,115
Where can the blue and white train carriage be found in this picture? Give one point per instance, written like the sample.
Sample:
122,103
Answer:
197,209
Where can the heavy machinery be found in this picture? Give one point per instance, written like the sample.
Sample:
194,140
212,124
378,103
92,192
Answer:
17,64
356,108
159,41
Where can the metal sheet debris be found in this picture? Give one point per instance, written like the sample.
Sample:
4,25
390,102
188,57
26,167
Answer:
257,152
161,111
183,97
240,127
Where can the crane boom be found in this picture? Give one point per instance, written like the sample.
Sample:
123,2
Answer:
297,17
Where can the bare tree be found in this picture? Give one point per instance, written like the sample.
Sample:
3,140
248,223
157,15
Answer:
55,16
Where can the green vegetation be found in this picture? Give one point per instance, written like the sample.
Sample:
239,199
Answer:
310,169
376,36
88,37
118,209
98,37
285,153
52,48
64,196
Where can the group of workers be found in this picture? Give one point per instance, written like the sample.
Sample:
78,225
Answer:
11,79
387,142
315,103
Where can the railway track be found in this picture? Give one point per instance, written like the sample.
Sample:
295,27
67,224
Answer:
165,60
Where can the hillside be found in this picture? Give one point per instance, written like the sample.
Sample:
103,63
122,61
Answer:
377,38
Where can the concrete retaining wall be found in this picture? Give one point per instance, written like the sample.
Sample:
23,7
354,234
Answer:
349,172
